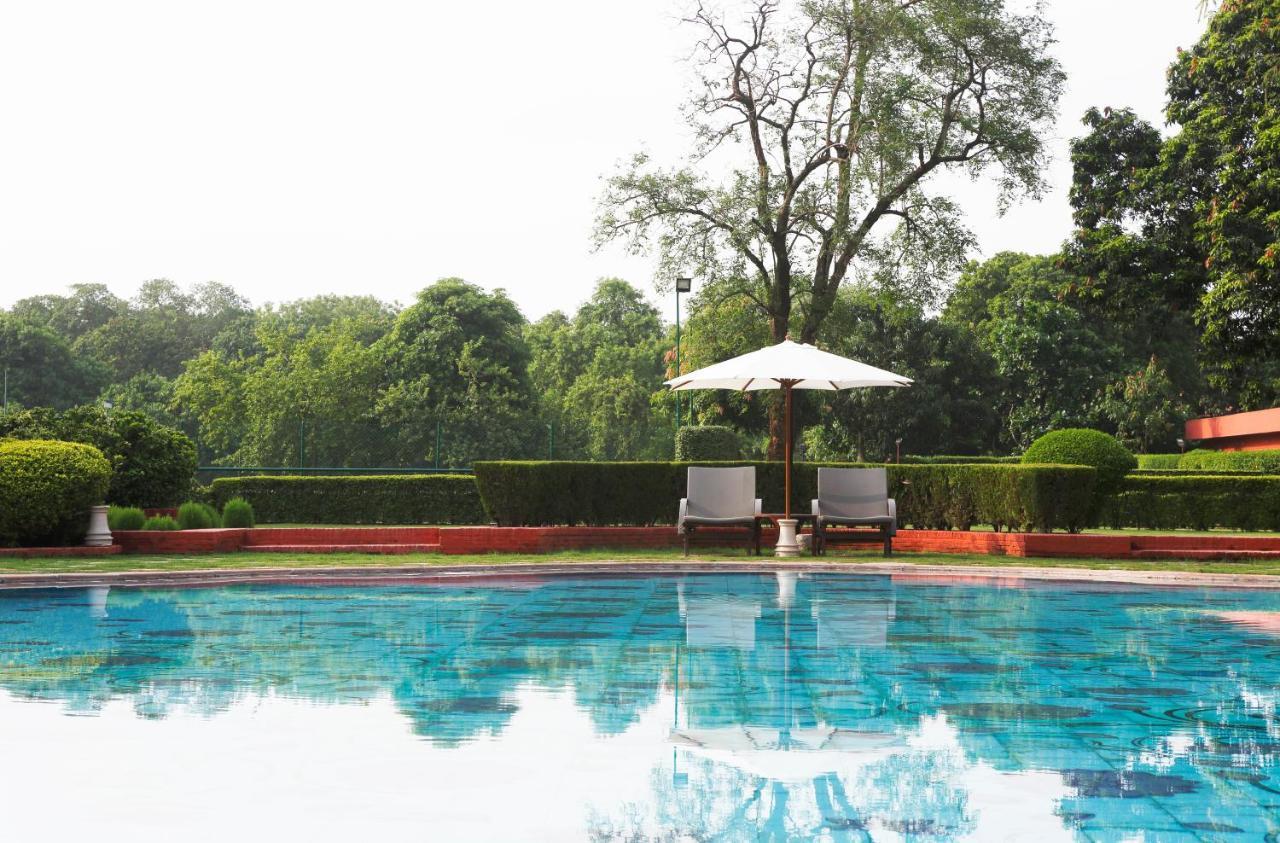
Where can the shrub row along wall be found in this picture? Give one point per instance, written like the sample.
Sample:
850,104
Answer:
1196,503
395,499
929,496
1267,461
947,459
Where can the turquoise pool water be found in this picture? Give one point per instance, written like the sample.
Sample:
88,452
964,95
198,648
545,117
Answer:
712,707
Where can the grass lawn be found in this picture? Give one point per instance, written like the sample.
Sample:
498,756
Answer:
198,562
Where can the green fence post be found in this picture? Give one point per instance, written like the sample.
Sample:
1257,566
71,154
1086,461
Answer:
437,454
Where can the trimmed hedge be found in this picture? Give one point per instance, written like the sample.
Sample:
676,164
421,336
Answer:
949,459
1158,461
1181,472
1266,461
1196,503
707,442
363,499
46,489
928,496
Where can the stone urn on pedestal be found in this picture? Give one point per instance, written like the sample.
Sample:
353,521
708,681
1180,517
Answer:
99,534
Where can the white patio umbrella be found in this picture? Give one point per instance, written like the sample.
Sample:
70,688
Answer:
787,366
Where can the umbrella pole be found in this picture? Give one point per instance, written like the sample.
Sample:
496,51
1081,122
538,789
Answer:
786,503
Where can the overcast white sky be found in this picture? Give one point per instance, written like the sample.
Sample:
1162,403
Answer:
290,148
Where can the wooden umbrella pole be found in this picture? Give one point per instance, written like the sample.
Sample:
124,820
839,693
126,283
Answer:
786,504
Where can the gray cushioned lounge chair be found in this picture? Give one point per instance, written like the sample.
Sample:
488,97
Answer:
854,497
720,497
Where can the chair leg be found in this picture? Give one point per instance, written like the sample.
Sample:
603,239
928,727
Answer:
888,541
685,537
755,538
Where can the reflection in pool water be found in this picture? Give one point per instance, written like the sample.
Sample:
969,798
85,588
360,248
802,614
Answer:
709,707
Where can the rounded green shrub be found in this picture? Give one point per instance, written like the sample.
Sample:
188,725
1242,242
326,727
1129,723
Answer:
1081,446
46,489
195,516
161,522
125,518
237,513
708,442
153,464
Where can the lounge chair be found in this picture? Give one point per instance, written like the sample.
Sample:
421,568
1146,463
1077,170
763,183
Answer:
853,497
720,497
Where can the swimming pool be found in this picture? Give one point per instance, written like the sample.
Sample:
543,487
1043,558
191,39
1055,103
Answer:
700,707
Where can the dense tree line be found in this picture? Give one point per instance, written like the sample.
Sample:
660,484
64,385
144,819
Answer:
1163,303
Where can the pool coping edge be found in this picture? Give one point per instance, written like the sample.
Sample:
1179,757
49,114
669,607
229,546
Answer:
382,574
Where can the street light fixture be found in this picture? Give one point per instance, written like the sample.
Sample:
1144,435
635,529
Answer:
683,285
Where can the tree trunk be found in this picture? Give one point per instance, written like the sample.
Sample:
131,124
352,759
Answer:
779,326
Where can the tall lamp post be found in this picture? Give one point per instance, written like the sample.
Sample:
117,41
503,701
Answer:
683,285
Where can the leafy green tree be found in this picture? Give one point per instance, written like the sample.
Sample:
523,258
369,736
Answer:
1224,94
146,393
85,308
597,374
40,368
1052,360
818,134
944,411
163,327
1147,409
457,356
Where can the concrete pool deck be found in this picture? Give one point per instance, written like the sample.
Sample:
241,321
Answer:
1008,576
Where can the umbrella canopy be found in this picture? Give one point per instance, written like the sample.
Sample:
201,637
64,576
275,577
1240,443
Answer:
787,366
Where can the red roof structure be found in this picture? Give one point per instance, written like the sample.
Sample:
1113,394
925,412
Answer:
1253,431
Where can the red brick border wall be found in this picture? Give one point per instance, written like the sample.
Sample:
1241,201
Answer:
479,540
180,541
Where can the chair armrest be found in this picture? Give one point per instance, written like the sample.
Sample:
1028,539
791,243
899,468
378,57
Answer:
815,508
684,510
759,507
893,513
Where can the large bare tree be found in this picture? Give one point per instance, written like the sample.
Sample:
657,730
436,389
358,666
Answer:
818,126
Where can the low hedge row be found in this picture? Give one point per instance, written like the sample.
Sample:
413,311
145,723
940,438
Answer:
365,499
1188,472
1266,461
1196,503
1158,461
948,459
928,496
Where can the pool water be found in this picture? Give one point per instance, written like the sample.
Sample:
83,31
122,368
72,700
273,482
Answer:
665,708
